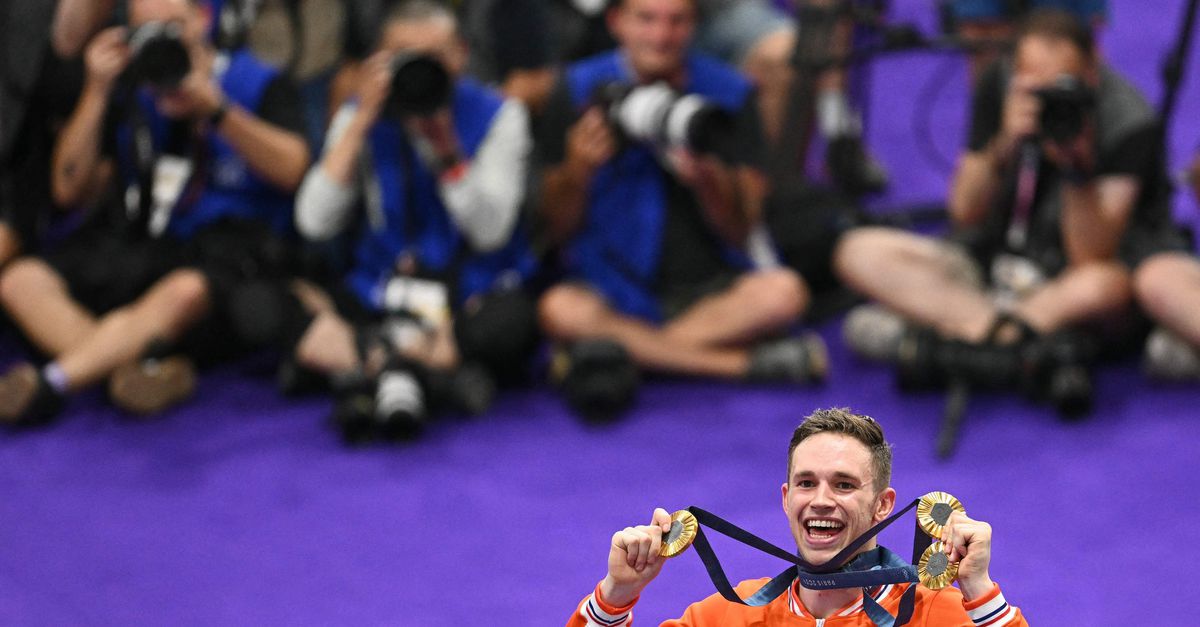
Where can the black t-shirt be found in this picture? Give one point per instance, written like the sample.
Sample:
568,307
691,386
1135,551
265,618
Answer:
1128,142
691,251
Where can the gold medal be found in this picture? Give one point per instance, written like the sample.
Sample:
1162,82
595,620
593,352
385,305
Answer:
934,510
679,538
934,568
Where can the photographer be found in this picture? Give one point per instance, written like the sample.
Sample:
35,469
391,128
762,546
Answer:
655,238
438,163
1168,289
1061,191
182,162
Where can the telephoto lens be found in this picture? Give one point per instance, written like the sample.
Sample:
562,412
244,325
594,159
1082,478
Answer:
420,85
658,115
160,59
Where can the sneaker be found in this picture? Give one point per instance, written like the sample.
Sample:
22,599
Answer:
469,389
598,379
1169,357
874,333
354,410
26,398
399,405
152,385
801,359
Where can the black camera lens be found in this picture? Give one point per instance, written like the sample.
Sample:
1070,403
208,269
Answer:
420,85
160,59
1066,104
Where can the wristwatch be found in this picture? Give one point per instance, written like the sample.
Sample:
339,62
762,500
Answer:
216,117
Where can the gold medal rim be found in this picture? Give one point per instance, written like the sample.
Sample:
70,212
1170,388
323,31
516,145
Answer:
925,511
686,536
935,582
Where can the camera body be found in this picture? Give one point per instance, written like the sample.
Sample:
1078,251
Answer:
420,85
1066,105
659,116
160,58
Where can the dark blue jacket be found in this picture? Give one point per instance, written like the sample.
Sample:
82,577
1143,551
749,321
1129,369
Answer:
618,247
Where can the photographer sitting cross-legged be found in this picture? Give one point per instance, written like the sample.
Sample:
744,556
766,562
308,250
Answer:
656,238
1061,191
182,162
437,162
1168,289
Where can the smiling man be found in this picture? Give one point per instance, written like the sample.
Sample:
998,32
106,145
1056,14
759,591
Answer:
839,468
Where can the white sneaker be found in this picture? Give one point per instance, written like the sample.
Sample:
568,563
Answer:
873,332
1170,357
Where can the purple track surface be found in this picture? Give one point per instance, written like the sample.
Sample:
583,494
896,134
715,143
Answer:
243,509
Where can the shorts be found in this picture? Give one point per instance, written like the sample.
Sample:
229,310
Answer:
673,301
104,270
984,10
732,32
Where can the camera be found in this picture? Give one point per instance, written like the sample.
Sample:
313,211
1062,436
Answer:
160,58
658,115
420,85
1066,104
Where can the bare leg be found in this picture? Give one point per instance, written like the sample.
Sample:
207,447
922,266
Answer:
10,244
1168,288
920,278
165,311
758,304
37,299
569,313
1096,292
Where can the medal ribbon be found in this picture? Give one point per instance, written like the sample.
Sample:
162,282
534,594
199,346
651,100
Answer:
873,568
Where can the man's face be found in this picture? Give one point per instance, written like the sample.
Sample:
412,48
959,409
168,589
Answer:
655,34
193,23
436,37
829,498
1040,60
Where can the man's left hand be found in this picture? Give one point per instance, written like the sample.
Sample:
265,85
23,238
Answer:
969,542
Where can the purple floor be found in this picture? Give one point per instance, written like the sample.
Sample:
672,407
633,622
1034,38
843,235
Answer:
243,509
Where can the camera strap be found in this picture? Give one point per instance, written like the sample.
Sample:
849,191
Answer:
875,567
145,161
1028,164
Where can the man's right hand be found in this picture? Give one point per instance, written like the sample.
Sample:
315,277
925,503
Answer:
590,143
1019,119
106,57
374,84
634,560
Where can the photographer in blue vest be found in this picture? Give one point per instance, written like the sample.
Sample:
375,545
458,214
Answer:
661,241
426,170
181,163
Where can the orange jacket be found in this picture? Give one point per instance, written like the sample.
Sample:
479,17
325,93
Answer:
943,608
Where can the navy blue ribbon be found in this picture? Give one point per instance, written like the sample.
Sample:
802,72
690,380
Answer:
872,568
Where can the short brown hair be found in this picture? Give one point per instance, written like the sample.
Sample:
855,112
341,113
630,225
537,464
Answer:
1059,25
858,426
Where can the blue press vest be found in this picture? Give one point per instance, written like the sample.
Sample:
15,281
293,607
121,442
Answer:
231,189
437,245
617,249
